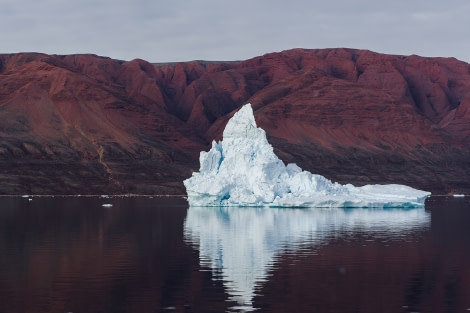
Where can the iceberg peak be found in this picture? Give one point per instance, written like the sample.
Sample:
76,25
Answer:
242,170
242,124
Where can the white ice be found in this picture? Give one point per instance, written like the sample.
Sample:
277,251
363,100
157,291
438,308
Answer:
242,170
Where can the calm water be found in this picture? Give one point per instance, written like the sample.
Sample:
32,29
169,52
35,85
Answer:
69,254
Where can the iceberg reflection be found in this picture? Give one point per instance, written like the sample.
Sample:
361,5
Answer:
240,245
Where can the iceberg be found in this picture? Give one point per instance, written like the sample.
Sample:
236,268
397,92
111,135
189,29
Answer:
242,170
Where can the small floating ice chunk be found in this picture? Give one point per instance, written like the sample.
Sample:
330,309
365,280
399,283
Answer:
242,170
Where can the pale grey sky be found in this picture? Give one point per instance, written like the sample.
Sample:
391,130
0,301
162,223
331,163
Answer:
177,30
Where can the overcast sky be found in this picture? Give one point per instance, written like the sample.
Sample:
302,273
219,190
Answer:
177,30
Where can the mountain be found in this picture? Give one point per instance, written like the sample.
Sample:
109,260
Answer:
84,124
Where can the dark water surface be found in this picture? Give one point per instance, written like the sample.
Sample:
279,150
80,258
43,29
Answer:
71,254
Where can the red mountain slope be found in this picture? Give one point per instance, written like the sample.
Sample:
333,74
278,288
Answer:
88,124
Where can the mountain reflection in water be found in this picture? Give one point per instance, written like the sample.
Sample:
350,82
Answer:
144,254
241,245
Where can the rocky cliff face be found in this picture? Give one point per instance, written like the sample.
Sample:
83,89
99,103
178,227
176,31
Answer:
87,124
